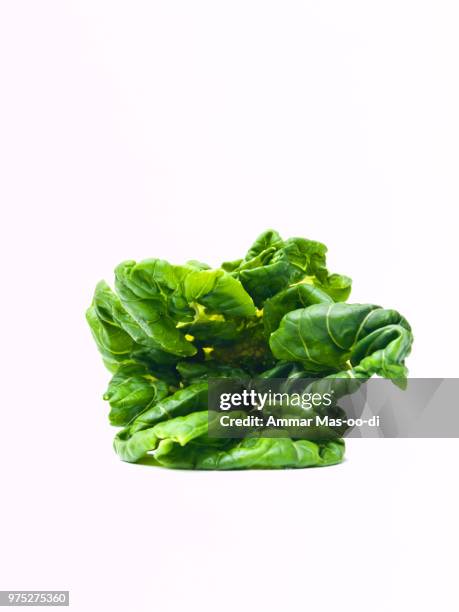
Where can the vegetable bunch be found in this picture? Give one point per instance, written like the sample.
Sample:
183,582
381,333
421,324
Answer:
276,313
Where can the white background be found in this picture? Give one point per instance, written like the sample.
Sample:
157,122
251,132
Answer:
182,130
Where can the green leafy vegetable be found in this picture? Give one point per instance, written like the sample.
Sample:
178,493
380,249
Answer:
132,390
277,313
326,337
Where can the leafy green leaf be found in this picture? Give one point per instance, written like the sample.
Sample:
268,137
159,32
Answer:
120,339
183,401
268,239
159,296
132,445
334,337
295,297
272,265
181,443
131,390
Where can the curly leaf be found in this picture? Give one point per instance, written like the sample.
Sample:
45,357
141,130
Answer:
182,443
336,337
295,297
120,339
272,264
131,390
337,286
183,401
159,296
132,446
268,239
